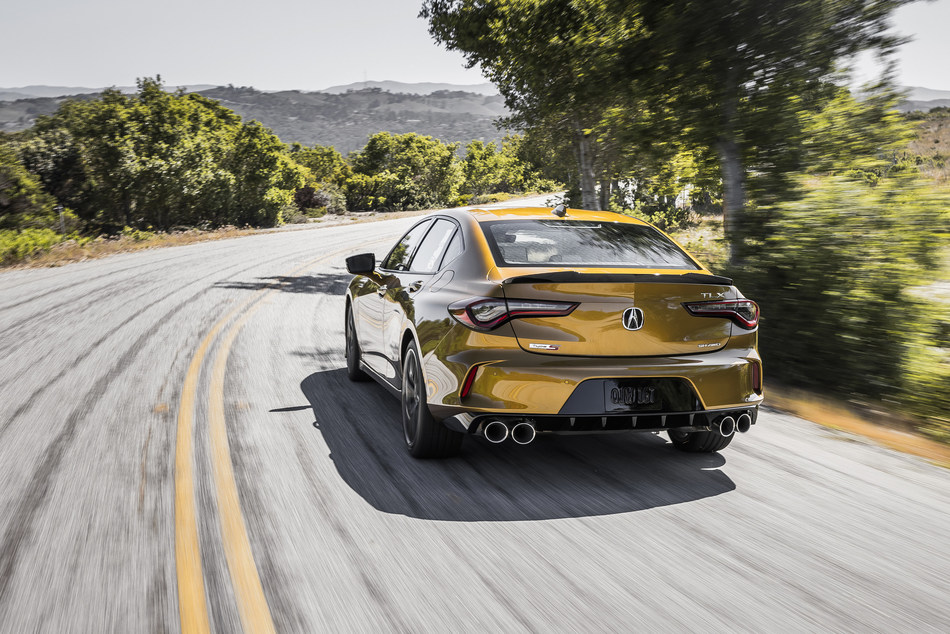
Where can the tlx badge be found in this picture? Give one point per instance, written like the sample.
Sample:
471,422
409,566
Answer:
632,318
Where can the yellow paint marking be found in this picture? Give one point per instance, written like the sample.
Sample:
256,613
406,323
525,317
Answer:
192,604
192,601
252,605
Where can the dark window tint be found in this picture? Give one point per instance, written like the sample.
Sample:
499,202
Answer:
453,250
429,253
399,257
582,243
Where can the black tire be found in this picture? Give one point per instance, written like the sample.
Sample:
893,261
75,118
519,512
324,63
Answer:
699,441
353,370
425,437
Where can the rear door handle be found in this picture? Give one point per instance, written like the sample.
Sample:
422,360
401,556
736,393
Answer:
382,290
415,286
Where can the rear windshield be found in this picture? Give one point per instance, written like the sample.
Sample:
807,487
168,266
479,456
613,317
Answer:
582,243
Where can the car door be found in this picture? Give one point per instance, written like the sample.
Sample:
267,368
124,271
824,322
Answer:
372,340
403,286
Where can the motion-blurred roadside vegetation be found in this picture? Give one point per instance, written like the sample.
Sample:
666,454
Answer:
123,165
725,122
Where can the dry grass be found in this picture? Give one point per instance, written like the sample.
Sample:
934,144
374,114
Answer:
882,427
933,143
76,251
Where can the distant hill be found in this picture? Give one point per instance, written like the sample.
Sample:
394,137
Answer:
343,120
346,120
923,99
915,93
422,88
27,92
925,106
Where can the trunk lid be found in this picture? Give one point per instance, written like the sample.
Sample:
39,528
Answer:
621,315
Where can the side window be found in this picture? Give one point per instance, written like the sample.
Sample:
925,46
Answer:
398,259
429,253
454,249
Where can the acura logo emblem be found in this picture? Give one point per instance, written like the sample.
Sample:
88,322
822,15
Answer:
633,319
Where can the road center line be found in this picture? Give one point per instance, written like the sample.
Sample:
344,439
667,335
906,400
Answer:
192,603
249,594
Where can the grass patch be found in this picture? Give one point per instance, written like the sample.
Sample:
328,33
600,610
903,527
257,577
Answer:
882,426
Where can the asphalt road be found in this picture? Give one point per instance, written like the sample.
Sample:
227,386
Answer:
180,449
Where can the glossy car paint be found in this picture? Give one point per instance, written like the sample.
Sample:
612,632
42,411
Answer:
532,366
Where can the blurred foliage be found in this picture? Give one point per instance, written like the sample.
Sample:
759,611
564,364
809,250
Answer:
832,276
629,84
18,245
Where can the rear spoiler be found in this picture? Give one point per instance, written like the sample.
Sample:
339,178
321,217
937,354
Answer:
593,278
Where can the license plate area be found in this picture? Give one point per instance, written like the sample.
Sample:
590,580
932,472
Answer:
647,395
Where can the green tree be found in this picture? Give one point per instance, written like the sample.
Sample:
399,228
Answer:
159,159
23,202
716,73
405,171
325,163
542,55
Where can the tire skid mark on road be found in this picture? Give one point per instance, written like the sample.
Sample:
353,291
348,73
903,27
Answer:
88,298
32,398
53,291
249,594
20,522
17,340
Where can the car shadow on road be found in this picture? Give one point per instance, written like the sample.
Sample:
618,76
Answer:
328,284
554,477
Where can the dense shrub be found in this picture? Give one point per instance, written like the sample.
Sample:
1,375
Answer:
20,245
832,279
162,160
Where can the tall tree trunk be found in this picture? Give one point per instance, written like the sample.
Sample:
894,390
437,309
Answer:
585,161
733,173
605,193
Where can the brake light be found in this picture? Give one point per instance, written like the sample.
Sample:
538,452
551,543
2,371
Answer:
486,313
743,312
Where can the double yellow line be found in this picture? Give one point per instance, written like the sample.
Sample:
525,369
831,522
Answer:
249,593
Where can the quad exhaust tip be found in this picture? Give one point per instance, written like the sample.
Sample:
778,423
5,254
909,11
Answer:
727,426
495,432
743,423
523,433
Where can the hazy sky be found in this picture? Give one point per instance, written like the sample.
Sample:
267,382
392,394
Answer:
284,44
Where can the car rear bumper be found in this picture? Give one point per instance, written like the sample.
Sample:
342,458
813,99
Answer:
704,420
561,388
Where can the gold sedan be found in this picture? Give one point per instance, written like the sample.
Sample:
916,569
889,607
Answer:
512,323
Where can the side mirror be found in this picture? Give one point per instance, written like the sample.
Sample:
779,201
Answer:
361,264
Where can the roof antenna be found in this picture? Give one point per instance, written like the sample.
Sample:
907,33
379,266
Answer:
560,211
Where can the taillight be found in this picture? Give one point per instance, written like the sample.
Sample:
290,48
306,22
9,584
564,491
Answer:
486,313
743,312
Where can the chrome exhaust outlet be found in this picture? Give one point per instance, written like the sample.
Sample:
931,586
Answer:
495,432
523,433
726,426
743,423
